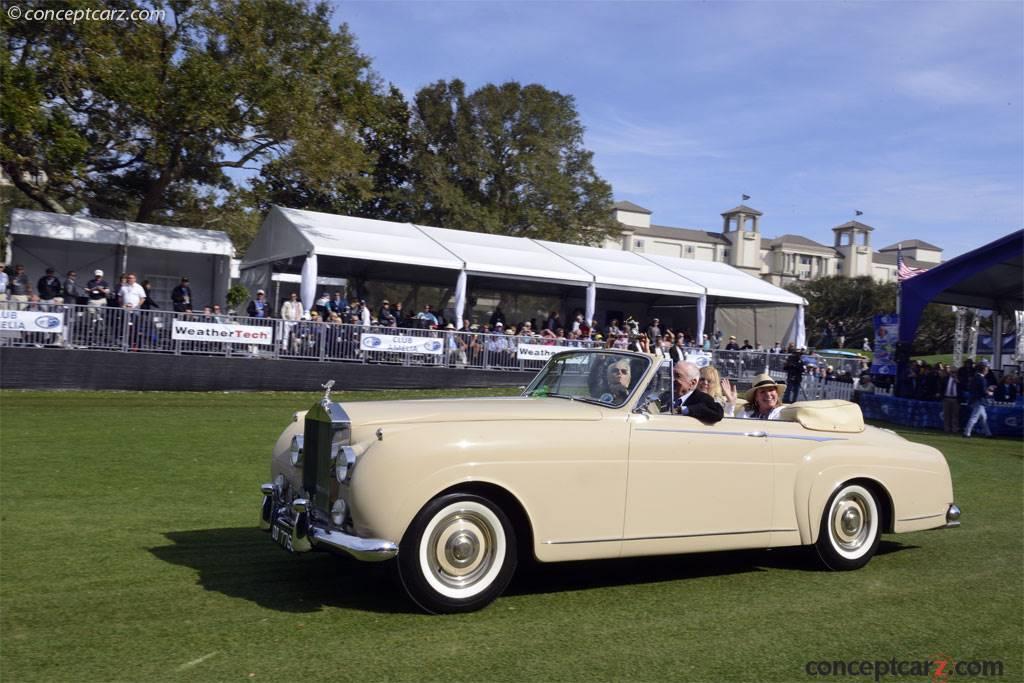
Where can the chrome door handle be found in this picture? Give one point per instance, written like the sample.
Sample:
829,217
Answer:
755,433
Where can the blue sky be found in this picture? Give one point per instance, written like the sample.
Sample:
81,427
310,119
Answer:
910,112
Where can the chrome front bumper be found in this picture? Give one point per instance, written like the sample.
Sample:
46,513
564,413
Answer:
294,529
952,516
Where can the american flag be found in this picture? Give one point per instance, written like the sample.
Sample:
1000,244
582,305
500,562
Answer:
903,271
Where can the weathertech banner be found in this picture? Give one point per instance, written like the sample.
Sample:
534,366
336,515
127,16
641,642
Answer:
187,330
31,321
400,343
538,351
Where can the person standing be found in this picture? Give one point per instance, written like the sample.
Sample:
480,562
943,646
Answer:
292,309
21,288
181,296
49,288
259,307
794,368
73,292
980,394
131,294
950,402
5,280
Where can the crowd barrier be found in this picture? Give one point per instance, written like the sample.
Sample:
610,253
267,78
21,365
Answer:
1004,419
107,328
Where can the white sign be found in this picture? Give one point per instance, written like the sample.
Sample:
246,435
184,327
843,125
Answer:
538,351
396,342
31,321
188,330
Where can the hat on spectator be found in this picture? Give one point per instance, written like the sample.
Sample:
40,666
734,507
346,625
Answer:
449,326
97,273
760,382
499,324
260,291
385,302
731,336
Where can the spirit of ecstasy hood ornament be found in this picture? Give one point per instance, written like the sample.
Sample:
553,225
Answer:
327,389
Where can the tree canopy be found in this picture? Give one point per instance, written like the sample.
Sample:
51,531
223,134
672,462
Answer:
506,159
145,119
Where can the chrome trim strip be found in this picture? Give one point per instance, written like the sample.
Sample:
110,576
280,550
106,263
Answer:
661,538
710,431
914,519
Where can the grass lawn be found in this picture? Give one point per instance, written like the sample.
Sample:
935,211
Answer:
129,552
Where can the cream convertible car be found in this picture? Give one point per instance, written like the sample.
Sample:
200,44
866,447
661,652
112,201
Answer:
584,466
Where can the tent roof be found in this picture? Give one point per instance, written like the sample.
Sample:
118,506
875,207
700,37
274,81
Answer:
363,238
990,277
486,254
722,280
612,268
105,231
290,233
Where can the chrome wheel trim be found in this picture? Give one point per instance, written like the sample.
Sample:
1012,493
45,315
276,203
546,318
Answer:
853,522
462,549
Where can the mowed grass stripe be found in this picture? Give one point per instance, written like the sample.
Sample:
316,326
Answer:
129,551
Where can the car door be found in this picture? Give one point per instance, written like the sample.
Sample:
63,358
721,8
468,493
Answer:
693,486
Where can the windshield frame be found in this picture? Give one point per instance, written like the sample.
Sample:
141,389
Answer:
641,381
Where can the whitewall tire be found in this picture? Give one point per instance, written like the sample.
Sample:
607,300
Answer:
850,531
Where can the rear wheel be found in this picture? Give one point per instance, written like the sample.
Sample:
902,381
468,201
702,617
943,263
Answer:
458,554
849,531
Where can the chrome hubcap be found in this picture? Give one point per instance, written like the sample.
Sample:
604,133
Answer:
462,549
851,521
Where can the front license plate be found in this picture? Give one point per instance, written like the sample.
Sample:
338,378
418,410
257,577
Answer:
283,537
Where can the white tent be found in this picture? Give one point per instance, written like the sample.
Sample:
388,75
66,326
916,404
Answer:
159,253
293,239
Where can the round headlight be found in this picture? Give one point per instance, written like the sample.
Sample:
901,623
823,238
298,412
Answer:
338,512
296,450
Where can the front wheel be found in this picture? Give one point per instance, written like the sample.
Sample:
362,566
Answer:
458,554
849,535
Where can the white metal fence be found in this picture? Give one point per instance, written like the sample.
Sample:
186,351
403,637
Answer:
108,328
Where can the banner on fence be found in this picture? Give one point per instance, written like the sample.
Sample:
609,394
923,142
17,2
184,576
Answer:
886,336
400,343
701,359
537,351
188,330
31,321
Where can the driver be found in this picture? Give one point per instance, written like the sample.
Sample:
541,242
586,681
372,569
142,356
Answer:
619,376
689,400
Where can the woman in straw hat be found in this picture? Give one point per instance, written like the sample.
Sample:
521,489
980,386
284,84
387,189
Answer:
763,399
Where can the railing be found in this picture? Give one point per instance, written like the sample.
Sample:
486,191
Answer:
108,328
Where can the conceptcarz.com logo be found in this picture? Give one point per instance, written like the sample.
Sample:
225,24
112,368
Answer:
938,669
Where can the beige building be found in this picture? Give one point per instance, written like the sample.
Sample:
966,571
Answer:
780,260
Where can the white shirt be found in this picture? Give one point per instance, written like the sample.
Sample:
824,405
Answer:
292,310
3,282
132,295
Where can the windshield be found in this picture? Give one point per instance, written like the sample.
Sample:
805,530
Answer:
607,378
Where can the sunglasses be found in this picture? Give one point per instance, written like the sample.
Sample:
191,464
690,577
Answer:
618,371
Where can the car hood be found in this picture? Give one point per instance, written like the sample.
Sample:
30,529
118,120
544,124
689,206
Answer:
469,410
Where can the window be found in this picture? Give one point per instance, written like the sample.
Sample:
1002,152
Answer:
689,250
805,260
638,245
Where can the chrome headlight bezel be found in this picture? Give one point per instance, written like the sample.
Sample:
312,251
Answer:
344,458
296,450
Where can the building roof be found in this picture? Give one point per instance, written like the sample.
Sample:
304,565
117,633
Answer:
911,244
853,224
743,208
889,259
798,242
631,207
687,234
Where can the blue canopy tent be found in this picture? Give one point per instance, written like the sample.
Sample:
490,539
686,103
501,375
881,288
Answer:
990,277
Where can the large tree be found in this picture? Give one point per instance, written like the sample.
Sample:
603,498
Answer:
855,302
506,159
144,120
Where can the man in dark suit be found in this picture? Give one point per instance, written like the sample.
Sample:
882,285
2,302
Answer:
689,401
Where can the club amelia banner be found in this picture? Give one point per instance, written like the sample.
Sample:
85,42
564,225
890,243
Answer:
188,330
31,321
401,344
